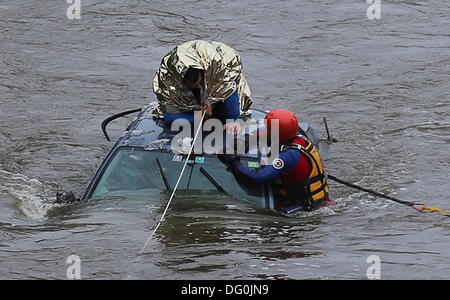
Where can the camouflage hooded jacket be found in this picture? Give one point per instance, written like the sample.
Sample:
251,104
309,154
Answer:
223,75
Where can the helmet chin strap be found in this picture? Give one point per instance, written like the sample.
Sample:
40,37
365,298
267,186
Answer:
288,141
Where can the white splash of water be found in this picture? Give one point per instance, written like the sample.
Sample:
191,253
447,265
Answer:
32,196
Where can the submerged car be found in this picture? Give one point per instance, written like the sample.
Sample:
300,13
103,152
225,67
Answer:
143,158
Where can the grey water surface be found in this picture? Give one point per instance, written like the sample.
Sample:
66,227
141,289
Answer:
384,86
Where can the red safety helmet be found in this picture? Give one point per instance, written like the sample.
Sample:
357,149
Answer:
288,124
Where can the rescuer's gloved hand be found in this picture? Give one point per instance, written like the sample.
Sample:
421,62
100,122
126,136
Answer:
230,160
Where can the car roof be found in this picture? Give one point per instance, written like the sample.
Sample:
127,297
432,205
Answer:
151,133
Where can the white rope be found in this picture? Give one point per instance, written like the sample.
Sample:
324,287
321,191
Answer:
176,185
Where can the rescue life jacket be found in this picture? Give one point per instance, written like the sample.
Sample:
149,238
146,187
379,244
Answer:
305,184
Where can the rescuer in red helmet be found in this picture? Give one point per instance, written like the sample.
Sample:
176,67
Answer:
297,175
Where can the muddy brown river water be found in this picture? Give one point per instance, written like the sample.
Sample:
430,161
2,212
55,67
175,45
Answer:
383,84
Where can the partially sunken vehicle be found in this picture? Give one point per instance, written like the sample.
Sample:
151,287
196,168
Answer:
145,158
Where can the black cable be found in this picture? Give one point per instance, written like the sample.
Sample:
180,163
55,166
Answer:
371,191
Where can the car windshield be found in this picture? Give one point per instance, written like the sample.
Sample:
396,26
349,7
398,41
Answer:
133,169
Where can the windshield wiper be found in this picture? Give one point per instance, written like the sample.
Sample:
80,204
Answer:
213,181
163,175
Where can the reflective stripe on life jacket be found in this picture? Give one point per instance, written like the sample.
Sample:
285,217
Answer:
312,187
